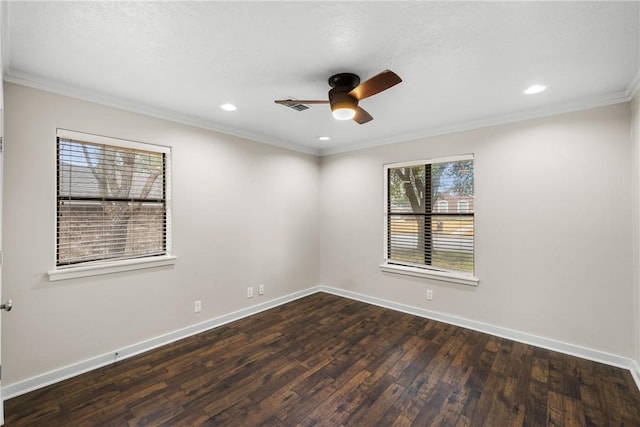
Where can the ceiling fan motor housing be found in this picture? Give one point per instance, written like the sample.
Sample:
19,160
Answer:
341,85
344,80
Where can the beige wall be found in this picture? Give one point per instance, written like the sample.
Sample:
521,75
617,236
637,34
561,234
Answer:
553,228
244,214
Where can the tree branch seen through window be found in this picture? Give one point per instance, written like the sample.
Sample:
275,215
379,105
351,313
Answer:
111,202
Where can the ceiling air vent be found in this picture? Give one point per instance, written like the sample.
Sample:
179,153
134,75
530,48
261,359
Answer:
299,107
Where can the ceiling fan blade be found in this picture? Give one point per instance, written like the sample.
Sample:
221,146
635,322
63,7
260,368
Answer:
375,84
298,101
362,116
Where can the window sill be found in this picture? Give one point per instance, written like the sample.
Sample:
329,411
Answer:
460,278
111,267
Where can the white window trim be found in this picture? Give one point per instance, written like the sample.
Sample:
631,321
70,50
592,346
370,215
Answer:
107,140
110,267
424,272
117,266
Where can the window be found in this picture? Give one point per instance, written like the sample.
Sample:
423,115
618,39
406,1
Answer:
112,200
442,206
421,231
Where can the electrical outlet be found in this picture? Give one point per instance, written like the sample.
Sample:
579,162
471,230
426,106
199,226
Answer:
260,289
250,292
429,295
197,306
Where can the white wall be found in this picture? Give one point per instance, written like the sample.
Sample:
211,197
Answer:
243,213
635,161
553,228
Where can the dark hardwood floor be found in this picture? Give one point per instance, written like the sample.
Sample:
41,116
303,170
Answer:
329,361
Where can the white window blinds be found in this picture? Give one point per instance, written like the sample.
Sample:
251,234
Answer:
112,199
430,214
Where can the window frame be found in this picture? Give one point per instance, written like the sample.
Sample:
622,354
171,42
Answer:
417,270
107,266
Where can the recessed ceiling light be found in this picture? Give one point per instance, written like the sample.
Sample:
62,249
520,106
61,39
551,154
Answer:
228,107
535,89
323,138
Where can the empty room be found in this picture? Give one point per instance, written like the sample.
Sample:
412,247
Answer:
297,213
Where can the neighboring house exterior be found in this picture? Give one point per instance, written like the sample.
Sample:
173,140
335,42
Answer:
447,203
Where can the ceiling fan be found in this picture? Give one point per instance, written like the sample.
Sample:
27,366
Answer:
345,93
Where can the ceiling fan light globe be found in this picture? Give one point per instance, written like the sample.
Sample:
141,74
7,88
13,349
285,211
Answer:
343,106
344,113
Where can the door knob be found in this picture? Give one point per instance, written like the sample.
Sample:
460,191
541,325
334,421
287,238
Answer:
7,305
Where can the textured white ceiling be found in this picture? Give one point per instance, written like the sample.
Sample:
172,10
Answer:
463,64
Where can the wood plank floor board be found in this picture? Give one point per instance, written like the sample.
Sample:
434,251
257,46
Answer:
370,414
433,404
469,408
196,417
536,403
556,372
450,412
414,398
324,360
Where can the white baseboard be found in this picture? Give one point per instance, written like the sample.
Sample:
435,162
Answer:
549,344
60,374
635,372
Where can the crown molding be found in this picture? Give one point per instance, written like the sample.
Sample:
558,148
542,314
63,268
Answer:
568,107
35,82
